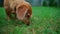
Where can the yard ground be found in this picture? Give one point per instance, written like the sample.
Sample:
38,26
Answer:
44,20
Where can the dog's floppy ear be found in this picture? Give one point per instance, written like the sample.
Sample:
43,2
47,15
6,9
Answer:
21,12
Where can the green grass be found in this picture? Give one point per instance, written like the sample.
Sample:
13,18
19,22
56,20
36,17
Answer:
44,20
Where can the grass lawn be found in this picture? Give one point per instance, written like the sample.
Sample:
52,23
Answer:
44,20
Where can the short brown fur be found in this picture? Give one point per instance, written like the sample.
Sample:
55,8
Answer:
21,6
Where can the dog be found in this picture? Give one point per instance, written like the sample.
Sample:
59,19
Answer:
20,8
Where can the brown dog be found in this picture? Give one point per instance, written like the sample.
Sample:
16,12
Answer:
20,8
